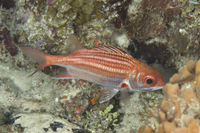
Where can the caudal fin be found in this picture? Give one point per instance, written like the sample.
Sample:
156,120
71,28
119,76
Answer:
41,58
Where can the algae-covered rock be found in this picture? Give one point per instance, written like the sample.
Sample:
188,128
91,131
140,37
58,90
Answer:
87,9
77,3
44,123
181,42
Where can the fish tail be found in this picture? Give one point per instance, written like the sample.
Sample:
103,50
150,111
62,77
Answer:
41,58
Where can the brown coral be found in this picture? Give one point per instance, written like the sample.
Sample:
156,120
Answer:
7,42
148,21
170,105
179,110
184,74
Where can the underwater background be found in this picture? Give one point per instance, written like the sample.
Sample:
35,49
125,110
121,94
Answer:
165,34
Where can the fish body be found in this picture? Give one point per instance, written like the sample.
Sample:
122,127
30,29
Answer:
107,66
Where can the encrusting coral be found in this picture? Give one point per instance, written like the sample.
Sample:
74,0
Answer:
179,111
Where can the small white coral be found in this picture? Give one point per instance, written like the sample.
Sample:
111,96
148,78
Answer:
134,7
122,40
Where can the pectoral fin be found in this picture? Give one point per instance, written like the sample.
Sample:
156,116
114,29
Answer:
107,94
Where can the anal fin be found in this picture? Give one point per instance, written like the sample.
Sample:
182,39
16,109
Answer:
107,94
63,77
63,74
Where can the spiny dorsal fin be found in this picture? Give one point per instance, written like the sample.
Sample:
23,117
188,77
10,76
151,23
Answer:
110,49
73,44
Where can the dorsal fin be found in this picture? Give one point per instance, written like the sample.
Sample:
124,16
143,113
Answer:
73,44
110,49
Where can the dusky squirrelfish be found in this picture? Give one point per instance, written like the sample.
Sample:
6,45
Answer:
110,67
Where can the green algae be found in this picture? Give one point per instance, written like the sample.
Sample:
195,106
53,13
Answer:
101,120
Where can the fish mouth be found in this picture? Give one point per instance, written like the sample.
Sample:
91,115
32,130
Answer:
152,88
157,88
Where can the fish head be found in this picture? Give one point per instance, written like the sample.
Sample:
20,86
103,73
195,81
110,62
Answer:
146,79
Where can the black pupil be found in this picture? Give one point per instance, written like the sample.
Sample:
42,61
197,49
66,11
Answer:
149,81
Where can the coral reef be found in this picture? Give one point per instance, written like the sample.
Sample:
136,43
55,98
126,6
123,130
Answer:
75,102
169,25
136,114
7,4
172,26
6,40
164,32
118,12
145,17
149,53
179,110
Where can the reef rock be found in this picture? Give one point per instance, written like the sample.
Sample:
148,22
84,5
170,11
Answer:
44,123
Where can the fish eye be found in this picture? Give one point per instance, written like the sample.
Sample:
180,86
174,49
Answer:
150,80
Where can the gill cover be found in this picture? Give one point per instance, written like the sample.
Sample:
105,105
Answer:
142,82
132,83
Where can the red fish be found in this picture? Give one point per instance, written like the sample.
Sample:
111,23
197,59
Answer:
107,66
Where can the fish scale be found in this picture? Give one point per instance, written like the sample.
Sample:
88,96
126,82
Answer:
106,57
102,63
